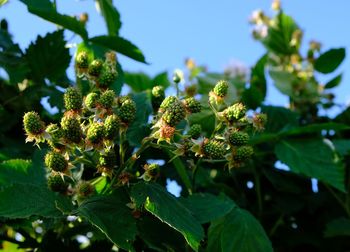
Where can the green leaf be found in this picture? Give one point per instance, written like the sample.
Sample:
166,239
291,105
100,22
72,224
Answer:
286,119
284,81
237,231
313,158
46,10
317,127
207,207
334,82
111,215
120,45
330,60
25,200
138,81
169,210
342,146
48,57
111,16
338,227
161,80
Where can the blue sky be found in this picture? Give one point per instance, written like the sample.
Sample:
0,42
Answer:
214,33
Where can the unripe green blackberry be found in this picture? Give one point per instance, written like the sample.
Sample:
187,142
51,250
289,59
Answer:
85,189
221,88
107,99
56,183
111,125
95,132
56,162
82,60
107,77
91,100
56,134
127,111
214,149
32,123
71,129
72,99
167,102
157,97
95,67
192,105
234,112
238,138
195,131
108,159
243,153
175,113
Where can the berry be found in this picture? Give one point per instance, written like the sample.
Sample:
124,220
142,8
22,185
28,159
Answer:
214,149
32,123
127,111
192,105
111,126
174,114
243,153
167,102
238,138
91,100
56,183
107,99
234,112
82,60
56,161
95,132
195,131
157,97
71,129
95,67
85,189
107,77
108,159
221,88
72,99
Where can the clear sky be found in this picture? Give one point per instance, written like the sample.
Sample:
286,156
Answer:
214,33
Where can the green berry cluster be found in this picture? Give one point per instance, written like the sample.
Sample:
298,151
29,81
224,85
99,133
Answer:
214,149
107,99
32,123
238,138
127,111
235,112
195,131
108,159
95,132
111,127
243,153
192,105
91,100
167,102
72,99
95,67
82,60
174,113
56,183
56,161
157,96
221,88
72,131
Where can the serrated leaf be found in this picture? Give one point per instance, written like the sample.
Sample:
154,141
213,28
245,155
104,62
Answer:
120,45
45,10
25,200
334,82
207,207
338,227
111,215
169,210
48,57
330,60
111,16
238,231
313,158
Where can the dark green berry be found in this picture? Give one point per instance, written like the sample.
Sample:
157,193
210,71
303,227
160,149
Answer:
111,125
234,112
95,67
108,159
167,102
107,77
71,129
91,100
243,153
175,113
221,88
238,138
107,99
95,132
56,183
72,99
82,60
214,149
127,111
192,105
56,161
195,131
32,123
157,97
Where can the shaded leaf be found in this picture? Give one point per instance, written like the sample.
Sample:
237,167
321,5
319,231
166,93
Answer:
330,60
334,82
342,146
111,16
338,227
284,81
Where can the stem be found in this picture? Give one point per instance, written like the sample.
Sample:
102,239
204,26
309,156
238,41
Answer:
121,147
278,222
258,191
195,172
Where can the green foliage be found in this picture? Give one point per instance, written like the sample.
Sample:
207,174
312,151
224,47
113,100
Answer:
330,60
